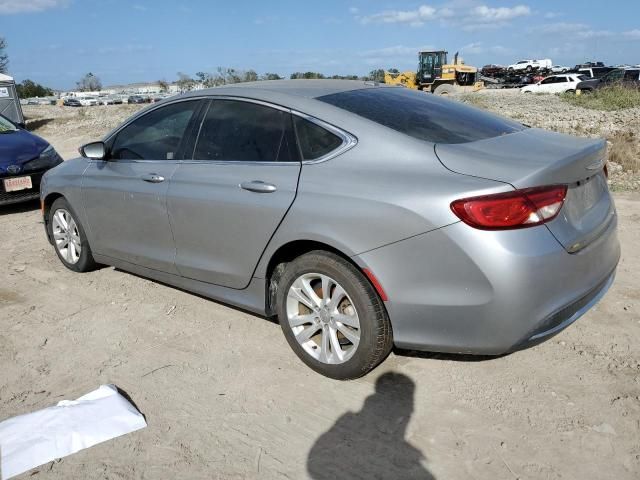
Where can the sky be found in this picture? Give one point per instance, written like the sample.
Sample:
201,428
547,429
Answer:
55,42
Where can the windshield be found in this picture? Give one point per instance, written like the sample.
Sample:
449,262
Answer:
6,125
425,117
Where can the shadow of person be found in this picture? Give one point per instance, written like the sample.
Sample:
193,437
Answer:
370,444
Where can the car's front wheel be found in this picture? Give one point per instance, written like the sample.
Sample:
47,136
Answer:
332,317
69,238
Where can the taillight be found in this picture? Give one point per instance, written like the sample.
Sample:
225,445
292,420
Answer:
517,209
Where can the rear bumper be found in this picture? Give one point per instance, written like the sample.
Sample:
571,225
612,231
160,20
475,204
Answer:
462,290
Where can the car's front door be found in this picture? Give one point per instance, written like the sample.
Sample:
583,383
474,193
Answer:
125,195
227,202
546,85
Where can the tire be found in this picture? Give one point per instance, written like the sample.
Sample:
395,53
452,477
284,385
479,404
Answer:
444,89
570,91
529,69
83,262
318,330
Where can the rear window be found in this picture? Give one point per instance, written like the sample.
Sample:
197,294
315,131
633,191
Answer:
315,141
423,116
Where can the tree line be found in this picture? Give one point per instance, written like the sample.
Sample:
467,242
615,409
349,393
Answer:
226,76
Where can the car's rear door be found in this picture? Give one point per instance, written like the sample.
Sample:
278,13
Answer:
125,195
225,204
559,84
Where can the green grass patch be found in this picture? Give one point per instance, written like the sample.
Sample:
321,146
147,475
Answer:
607,98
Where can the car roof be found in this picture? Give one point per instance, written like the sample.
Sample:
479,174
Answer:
298,88
299,95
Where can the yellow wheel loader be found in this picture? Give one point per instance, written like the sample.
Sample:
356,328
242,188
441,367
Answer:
437,76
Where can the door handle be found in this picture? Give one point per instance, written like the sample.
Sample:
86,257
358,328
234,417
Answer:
258,186
153,178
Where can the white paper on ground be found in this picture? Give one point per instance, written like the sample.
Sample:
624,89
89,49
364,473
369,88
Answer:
36,438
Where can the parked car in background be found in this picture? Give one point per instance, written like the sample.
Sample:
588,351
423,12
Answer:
530,65
555,84
595,72
135,99
491,70
87,101
117,100
493,236
621,76
24,158
105,100
559,69
71,102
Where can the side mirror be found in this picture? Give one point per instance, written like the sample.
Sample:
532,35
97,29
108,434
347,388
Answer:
94,151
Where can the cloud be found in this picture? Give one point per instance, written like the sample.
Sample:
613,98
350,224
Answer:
395,51
632,34
265,20
574,30
140,8
8,7
476,48
477,17
399,55
500,14
414,18
354,10
586,34
560,27
551,15
119,50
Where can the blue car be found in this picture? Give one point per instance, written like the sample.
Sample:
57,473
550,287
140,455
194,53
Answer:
24,158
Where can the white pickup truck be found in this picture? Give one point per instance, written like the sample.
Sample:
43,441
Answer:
531,65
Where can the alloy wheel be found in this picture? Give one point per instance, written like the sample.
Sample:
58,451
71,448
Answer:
323,318
66,236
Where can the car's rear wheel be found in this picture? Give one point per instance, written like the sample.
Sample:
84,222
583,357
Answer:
332,317
69,238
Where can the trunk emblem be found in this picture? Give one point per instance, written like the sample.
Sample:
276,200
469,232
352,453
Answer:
595,166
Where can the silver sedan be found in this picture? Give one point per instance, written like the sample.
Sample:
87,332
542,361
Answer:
362,216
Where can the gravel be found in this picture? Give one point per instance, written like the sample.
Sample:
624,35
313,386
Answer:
620,128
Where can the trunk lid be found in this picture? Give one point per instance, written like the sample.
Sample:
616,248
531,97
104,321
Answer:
535,157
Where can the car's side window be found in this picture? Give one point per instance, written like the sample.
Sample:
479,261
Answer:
547,81
631,75
235,130
315,141
156,135
561,80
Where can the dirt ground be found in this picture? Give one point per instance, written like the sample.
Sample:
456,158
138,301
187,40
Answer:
224,397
